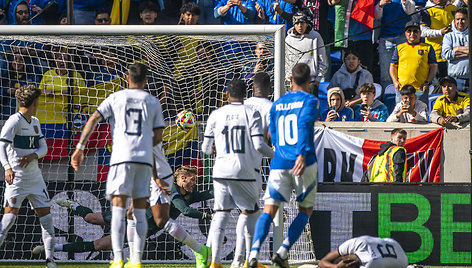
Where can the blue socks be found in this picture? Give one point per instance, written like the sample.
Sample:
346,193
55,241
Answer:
261,231
295,230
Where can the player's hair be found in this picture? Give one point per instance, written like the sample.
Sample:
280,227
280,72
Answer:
398,130
26,94
237,88
301,73
407,90
185,170
366,88
190,7
137,73
347,258
460,10
261,84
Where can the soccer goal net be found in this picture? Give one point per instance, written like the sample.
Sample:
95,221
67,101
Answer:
78,67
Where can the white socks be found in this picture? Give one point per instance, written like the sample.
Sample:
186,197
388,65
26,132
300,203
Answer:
179,233
130,232
239,257
48,235
141,228
7,222
117,231
217,232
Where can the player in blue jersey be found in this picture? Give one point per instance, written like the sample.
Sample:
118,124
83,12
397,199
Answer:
294,167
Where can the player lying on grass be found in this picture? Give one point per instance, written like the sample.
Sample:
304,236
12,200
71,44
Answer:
366,251
183,194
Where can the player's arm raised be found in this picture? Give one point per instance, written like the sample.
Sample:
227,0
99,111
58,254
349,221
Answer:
78,155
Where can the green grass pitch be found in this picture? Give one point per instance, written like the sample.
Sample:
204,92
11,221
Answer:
161,265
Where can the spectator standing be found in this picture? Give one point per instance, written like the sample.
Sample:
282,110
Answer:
169,11
360,35
337,110
277,12
455,50
148,13
389,165
207,12
435,23
189,14
413,63
350,77
235,11
263,62
370,110
102,17
391,34
409,110
452,106
84,11
45,11
301,39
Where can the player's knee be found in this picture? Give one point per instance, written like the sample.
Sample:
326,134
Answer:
161,221
307,210
101,245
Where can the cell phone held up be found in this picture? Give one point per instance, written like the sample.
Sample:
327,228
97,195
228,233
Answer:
364,107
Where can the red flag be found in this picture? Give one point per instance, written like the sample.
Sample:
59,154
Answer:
363,12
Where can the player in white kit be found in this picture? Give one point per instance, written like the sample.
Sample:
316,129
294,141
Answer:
367,252
236,131
260,102
21,145
137,124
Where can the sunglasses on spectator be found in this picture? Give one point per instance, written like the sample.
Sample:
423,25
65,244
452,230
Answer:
102,20
412,31
22,12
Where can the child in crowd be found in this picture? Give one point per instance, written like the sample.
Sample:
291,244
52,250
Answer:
410,109
337,110
370,110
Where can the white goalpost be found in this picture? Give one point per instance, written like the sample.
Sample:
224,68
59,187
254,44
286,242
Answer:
79,66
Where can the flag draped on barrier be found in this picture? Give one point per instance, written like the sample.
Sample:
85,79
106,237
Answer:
344,158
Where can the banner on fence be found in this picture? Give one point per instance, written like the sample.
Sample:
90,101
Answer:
344,158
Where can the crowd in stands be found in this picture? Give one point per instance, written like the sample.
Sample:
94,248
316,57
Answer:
420,51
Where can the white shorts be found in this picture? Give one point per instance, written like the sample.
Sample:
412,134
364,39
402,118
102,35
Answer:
34,189
230,194
282,182
157,195
130,179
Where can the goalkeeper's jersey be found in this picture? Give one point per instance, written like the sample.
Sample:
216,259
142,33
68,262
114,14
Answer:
232,127
133,115
24,138
292,127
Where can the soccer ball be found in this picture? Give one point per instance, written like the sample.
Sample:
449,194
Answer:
185,120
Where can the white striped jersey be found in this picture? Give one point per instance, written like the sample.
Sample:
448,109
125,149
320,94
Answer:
133,115
232,127
24,139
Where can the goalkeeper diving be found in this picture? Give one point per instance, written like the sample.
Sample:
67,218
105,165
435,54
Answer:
184,194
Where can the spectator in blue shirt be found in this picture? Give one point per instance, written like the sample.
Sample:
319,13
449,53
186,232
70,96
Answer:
235,11
391,34
278,12
370,110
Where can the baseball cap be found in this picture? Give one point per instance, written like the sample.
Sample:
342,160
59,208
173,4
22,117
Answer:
447,78
411,24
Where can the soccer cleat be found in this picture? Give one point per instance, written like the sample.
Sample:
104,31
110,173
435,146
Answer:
216,265
38,250
129,264
259,265
253,263
114,264
66,203
202,256
277,260
50,263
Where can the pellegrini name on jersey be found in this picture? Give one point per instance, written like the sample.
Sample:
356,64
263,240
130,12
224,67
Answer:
288,106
